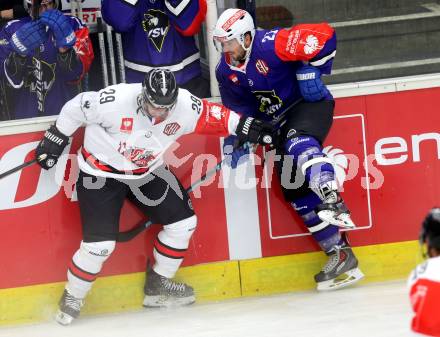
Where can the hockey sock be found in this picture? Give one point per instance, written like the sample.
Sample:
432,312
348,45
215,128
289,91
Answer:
315,166
171,245
325,234
85,266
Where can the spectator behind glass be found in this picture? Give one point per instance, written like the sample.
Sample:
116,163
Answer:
160,34
424,281
42,62
11,9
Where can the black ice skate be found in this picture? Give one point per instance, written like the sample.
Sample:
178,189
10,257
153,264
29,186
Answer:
333,209
69,308
161,291
340,271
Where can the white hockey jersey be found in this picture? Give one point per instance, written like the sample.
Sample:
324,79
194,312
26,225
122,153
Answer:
121,140
424,286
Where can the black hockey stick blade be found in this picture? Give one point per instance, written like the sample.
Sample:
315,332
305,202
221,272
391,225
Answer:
18,168
130,234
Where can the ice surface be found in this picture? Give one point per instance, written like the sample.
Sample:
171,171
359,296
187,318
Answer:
374,310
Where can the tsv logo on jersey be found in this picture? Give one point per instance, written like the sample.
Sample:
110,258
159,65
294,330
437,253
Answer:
156,25
268,101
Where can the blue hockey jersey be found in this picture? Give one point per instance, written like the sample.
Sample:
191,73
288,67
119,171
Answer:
265,84
157,33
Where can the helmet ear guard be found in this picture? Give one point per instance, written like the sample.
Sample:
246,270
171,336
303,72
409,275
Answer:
430,232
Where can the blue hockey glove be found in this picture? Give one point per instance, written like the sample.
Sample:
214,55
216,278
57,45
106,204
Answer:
310,84
30,36
60,26
231,147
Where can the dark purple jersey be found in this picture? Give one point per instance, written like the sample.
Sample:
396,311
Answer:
59,83
157,34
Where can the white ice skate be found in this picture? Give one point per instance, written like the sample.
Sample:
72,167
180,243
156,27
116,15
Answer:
333,209
333,214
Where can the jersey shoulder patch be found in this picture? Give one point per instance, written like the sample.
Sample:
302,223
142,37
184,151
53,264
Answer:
302,42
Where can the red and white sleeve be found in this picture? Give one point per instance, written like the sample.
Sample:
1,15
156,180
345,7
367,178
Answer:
302,42
216,119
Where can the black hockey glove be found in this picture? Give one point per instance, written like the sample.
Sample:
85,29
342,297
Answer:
254,131
51,147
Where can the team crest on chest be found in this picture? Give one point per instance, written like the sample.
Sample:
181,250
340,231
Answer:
269,102
126,125
171,129
156,25
262,67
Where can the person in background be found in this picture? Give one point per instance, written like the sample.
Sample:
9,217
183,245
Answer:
160,34
43,58
11,9
424,281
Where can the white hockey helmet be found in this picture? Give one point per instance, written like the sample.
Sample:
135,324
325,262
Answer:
233,23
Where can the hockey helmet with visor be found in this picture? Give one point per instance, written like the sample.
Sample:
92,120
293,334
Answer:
231,28
159,92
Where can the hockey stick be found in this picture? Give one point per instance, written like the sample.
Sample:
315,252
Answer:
38,66
280,118
22,166
130,234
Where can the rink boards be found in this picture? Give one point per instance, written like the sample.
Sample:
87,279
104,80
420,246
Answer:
248,241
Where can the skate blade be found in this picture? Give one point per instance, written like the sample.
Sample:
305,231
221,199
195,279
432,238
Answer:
63,318
167,302
340,220
351,276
